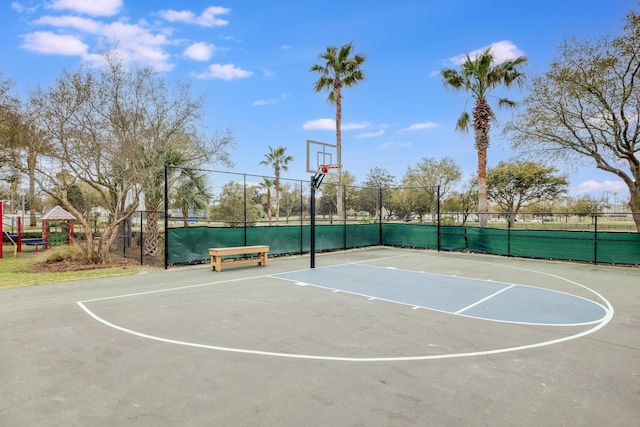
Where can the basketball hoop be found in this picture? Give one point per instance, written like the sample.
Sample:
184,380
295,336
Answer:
322,171
325,168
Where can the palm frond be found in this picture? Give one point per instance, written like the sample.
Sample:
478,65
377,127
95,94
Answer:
463,122
506,103
452,78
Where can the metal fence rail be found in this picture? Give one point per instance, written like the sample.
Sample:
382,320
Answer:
249,210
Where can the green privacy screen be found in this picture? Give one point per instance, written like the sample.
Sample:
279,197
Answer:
190,245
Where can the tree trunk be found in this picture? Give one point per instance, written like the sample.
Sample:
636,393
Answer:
339,206
481,122
634,204
31,161
151,236
269,205
277,173
483,206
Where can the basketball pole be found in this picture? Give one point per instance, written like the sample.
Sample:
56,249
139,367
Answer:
312,237
316,180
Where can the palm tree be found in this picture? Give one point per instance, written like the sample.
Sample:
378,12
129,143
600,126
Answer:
479,76
338,70
190,185
191,193
279,159
267,183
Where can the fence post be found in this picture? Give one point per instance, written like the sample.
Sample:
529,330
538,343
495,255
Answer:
312,226
244,198
380,198
166,217
141,236
509,235
344,215
595,238
438,213
301,218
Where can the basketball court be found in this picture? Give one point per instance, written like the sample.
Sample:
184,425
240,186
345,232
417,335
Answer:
381,336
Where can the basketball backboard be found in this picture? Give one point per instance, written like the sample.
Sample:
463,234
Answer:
319,154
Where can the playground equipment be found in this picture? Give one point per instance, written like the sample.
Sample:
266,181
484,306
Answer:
63,237
55,214
3,232
17,239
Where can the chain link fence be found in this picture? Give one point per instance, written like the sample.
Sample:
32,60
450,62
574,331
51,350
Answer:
141,237
252,210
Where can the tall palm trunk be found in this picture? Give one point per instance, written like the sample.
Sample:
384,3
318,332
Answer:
269,205
277,183
481,123
339,207
151,236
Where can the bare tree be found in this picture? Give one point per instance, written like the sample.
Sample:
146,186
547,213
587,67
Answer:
108,128
586,108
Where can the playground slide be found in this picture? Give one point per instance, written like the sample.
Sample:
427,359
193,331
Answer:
15,244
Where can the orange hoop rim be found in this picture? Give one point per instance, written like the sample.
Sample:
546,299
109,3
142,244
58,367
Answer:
325,168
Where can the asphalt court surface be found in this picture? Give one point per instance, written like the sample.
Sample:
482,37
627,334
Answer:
274,315
370,337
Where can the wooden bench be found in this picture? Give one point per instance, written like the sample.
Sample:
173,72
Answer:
217,254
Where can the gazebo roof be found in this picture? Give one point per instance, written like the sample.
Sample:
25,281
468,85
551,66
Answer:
57,214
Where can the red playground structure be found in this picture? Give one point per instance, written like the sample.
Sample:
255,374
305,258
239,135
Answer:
55,214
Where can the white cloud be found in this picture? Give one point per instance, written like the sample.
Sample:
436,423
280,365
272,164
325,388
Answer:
206,19
272,101
135,42
371,134
592,186
320,124
21,8
330,124
51,43
355,126
285,46
88,7
224,72
420,126
199,51
502,51
74,22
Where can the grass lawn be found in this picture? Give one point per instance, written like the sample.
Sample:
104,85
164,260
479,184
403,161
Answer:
16,272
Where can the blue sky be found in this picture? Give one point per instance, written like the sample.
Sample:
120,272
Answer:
251,60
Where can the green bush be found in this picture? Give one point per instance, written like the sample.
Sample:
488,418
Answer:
62,253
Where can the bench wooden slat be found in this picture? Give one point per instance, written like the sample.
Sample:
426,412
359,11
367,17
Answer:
261,251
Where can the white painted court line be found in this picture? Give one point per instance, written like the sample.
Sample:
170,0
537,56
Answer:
606,319
346,359
484,299
180,288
